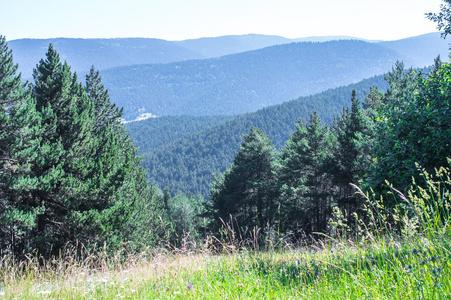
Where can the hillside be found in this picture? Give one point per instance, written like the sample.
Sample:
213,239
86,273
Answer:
186,164
109,53
230,44
81,54
154,132
419,51
245,82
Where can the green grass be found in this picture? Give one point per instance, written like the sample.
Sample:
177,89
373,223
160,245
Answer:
417,268
414,263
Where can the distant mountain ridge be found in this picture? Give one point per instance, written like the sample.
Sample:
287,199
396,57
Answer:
81,54
419,51
110,53
186,163
247,81
152,76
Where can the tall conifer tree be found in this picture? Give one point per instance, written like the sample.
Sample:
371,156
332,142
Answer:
350,129
19,131
304,180
247,190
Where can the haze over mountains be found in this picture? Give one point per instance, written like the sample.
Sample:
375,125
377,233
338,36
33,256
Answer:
180,77
245,82
172,78
81,54
208,92
185,164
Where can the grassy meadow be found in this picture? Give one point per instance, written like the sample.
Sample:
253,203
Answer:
413,268
417,268
371,261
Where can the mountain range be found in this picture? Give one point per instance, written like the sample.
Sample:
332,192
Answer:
204,94
244,82
81,54
158,77
186,161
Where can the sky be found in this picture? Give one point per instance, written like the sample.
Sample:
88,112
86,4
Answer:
189,19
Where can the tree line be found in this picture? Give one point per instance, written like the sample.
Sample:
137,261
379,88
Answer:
69,172
296,190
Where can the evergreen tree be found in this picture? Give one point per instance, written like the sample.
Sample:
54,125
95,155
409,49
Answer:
247,190
84,181
350,155
19,130
63,164
130,209
304,180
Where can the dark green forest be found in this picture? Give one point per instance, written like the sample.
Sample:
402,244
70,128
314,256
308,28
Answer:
70,173
245,82
186,164
154,132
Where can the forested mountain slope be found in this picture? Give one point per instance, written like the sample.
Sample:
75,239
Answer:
419,51
245,82
81,54
229,44
109,53
232,84
186,164
151,133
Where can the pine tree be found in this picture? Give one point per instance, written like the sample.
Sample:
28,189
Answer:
127,208
69,171
62,166
247,190
348,164
19,130
304,180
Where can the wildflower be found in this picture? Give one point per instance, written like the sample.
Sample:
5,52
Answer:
167,289
374,280
189,287
239,285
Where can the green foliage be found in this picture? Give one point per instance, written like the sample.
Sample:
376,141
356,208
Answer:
186,164
19,140
413,127
69,172
443,18
186,214
353,138
305,183
247,190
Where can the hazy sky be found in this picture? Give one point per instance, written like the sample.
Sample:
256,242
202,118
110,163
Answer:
185,19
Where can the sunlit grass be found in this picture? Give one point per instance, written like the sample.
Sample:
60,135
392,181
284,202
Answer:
417,268
370,263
